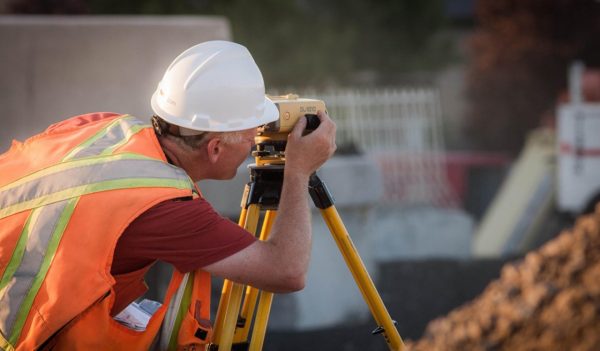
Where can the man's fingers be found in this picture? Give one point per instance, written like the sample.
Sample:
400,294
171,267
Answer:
299,128
326,121
323,116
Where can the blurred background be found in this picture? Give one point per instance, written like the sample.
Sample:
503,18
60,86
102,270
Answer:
467,130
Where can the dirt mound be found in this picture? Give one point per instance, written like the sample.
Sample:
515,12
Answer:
550,300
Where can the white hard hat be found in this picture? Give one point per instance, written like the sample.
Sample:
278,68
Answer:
214,86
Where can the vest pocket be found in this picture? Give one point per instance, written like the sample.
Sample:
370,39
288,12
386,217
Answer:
95,329
194,333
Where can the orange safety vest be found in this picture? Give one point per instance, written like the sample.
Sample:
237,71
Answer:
66,195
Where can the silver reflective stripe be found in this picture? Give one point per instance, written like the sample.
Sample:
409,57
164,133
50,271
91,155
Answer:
113,135
110,168
168,325
15,292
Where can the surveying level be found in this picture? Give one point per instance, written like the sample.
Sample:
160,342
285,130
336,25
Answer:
271,138
291,109
235,317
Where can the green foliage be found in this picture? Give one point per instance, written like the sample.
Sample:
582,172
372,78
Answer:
291,44
307,42
401,32
320,43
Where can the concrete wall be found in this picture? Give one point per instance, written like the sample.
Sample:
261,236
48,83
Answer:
354,181
54,67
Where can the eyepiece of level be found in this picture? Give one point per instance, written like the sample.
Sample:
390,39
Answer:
312,122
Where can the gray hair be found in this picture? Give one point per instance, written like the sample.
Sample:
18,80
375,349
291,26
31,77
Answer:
171,131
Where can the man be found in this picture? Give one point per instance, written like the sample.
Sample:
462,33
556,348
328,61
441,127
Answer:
90,204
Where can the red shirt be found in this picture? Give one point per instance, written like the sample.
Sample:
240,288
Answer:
186,233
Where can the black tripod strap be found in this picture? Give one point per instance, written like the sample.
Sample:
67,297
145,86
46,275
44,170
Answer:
319,193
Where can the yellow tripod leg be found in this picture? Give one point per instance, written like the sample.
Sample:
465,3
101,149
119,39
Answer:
225,337
223,303
260,323
247,313
229,309
264,306
226,291
362,278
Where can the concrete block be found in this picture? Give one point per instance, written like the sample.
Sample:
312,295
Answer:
331,296
380,234
402,233
353,181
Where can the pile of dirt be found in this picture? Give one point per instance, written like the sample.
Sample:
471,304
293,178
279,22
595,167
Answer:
550,300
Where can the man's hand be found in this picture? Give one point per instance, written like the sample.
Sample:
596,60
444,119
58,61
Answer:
305,154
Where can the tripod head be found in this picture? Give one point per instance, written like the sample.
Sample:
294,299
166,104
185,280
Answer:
271,138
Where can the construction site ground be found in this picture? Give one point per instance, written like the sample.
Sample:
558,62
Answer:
415,292
547,300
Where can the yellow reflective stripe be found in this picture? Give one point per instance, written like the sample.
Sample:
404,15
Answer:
130,132
117,132
5,345
70,165
94,137
41,275
96,187
19,250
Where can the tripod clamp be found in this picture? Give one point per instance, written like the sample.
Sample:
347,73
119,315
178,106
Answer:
380,329
319,193
265,185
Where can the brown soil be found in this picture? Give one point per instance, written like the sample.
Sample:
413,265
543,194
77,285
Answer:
550,300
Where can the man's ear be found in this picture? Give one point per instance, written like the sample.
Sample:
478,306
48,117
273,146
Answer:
213,149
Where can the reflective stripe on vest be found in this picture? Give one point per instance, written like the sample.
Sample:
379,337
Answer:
177,308
89,175
109,138
186,324
29,264
53,193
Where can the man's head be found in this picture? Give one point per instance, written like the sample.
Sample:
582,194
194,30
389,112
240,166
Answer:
207,107
206,155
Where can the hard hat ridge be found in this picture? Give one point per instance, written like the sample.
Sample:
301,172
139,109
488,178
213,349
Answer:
201,67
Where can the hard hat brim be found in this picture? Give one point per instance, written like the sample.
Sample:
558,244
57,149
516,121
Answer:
270,114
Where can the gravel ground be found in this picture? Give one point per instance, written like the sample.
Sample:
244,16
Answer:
550,300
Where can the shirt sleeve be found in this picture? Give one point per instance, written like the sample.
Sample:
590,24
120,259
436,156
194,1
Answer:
188,234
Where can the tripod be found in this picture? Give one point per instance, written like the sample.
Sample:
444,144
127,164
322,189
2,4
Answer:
234,318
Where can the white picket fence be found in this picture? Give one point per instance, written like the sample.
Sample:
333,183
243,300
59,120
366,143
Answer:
402,130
